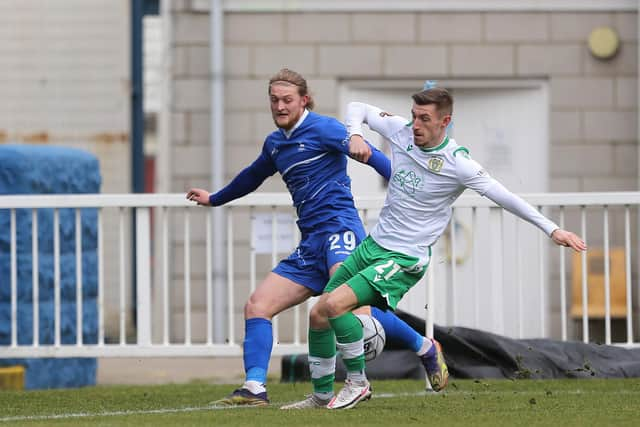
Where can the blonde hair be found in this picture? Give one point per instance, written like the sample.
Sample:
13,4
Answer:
288,76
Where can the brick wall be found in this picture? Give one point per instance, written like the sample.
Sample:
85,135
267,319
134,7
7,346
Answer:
64,78
593,102
593,107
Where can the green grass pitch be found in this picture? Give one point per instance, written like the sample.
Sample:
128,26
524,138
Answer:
592,402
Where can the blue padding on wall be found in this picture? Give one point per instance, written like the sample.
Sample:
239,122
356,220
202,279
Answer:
46,276
46,322
49,373
67,232
36,169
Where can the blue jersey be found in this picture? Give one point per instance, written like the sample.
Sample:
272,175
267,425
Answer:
313,165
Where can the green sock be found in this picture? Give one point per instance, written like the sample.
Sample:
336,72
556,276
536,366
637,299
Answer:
322,359
349,337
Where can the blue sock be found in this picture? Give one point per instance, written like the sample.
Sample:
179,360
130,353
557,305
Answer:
258,342
397,330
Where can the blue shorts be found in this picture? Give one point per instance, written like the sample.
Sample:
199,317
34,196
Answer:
318,251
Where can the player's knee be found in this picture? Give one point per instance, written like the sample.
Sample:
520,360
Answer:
334,306
319,310
317,318
256,307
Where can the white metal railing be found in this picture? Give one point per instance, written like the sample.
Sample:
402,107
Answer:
475,279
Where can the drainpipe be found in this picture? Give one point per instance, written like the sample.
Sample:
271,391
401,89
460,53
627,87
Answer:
137,96
217,166
137,136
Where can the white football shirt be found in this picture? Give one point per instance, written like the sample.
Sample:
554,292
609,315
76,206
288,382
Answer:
424,184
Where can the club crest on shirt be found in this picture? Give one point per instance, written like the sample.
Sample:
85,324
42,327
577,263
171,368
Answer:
301,146
435,164
274,151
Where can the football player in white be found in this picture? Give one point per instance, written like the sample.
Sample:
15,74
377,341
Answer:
429,171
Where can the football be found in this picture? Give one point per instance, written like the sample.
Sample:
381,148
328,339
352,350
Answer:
374,336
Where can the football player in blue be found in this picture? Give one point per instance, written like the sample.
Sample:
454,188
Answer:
310,152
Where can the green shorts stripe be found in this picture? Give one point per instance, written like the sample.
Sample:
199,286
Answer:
378,276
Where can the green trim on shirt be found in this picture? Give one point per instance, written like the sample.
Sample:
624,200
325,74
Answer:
461,149
439,147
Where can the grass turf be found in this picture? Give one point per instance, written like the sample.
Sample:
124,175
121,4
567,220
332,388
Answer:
598,402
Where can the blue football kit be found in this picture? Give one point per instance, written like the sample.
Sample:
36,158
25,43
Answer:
313,164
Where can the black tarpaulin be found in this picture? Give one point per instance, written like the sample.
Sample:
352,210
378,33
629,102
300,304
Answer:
471,353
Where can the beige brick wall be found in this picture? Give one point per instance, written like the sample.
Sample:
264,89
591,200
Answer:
593,103
63,78
585,92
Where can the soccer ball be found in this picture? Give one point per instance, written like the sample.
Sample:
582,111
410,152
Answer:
374,336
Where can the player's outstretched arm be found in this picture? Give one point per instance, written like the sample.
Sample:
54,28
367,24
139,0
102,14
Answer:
248,180
514,204
244,183
199,196
567,238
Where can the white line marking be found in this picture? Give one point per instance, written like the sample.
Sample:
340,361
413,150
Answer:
102,414
278,404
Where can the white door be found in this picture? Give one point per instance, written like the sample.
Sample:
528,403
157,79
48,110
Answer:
505,128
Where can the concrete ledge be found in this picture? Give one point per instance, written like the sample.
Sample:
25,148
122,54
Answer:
139,371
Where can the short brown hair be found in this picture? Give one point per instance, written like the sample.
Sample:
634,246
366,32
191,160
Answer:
437,96
289,76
